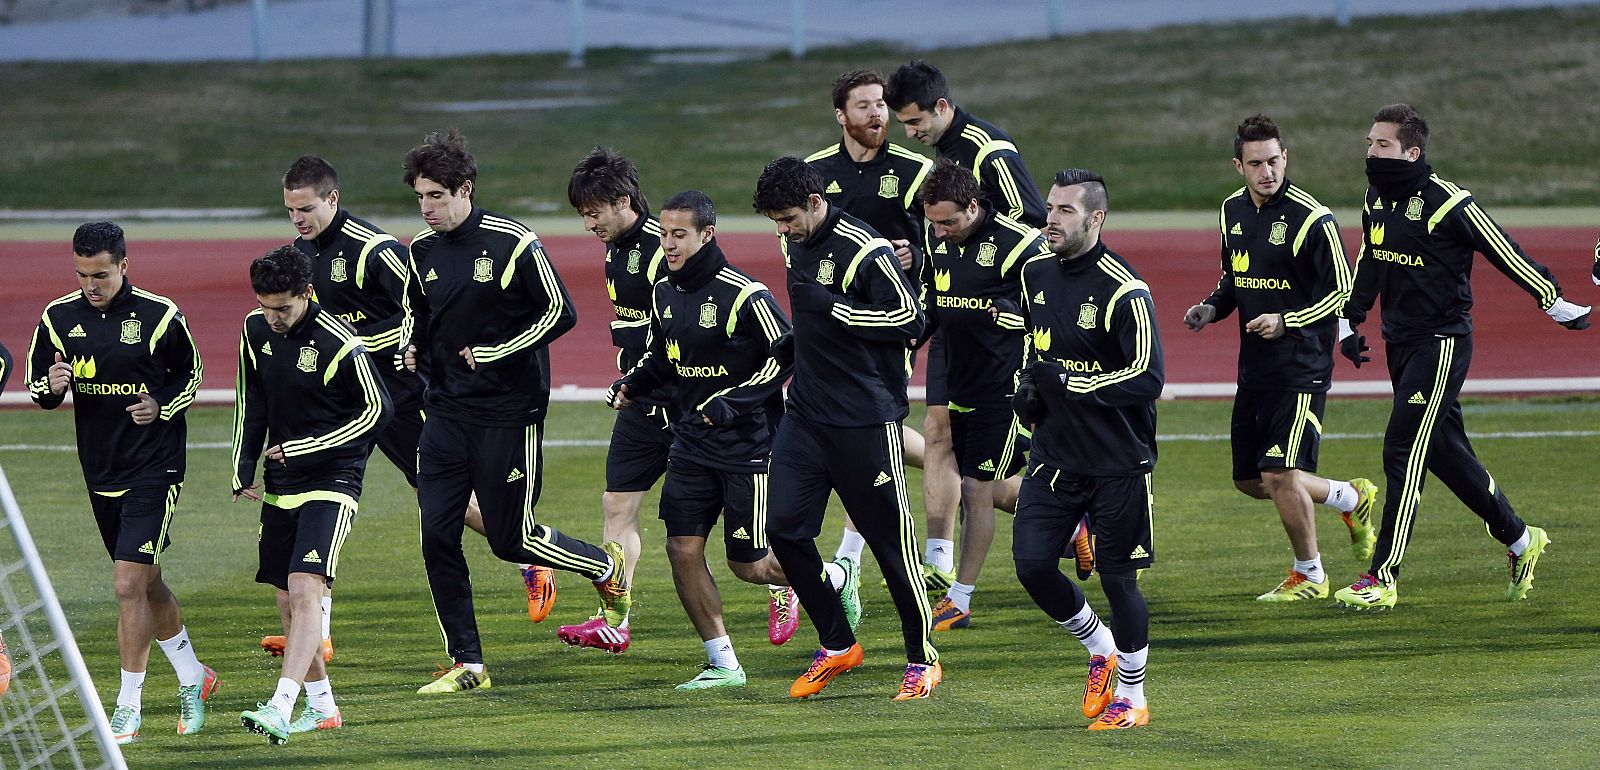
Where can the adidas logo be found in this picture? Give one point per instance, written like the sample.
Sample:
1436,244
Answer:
266,348
432,276
149,547
311,557
741,534
1038,299
1416,398
988,465
667,313
940,249
77,331
1139,553
1275,451
1378,205
516,475
833,188
883,478
1236,230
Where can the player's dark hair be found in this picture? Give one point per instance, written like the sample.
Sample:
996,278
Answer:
91,238
284,269
850,81
786,183
1256,128
603,177
949,182
442,158
1095,197
695,202
916,82
313,172
1413,130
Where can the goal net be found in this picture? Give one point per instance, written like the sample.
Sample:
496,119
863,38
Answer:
50,714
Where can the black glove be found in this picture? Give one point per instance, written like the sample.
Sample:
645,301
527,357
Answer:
1047,380
783,350
1577,324
1354,347
718,412
611,392
810,297
1027,404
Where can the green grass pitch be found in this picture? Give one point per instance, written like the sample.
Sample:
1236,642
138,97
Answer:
1454,677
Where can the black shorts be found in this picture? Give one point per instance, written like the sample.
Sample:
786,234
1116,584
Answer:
637,454
399,440
303,535
1052,502
133,523
988,441
1275,429
694,496
938,394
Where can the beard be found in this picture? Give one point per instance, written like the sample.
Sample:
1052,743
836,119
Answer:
1073,244
866,137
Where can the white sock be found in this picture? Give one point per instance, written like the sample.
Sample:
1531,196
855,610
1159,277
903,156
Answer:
1341,496
476,668
611,566
283,700
524,567
327,617
850,546
1130,675
319,695
1311,568
132,692
1522,542
1094,635
835,652
835,575
941,554
961,596
719,653
180,653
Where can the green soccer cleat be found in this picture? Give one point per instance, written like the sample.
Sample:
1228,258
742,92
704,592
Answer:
125,725
850,594
1362,536
457,678
267,720
312,720
934,580
1522,566
192,703
714,676
615,596
1294,588
1368,593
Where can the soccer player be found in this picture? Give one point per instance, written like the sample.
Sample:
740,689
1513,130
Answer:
1418,236
604,189
315,401
969,290
712,329
920,97
490,304
1091,375
127,356
1284,271
854,314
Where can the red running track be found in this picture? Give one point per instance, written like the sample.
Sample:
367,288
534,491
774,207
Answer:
209,282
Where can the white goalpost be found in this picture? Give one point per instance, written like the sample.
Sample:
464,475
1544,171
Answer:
50,715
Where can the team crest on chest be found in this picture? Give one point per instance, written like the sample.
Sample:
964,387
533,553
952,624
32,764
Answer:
130,331
633,261
1086,315
889,186
483,269
307,361
708,315
825,272
986,252
1279,234
336,270
1414,208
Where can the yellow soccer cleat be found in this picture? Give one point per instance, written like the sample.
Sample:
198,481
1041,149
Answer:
1522,566
1363,537
1294,588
